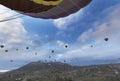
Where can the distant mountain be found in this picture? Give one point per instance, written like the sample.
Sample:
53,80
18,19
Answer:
57,71
2,73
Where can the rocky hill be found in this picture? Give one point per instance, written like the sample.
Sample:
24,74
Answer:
56,71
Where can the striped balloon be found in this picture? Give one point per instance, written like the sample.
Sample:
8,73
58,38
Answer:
46,9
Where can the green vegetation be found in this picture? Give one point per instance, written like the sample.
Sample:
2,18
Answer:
57,71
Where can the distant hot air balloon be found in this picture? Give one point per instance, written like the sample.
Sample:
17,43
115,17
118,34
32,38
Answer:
46,61
52,51
49,56
6,50
66,46
35,53
2,46
91,46
27,48
11,60
17,49
106,39
64,61
54,60
46,9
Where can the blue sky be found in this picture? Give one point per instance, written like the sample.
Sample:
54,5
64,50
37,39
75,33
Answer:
89,26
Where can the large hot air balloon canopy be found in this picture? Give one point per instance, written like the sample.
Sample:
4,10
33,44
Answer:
47,9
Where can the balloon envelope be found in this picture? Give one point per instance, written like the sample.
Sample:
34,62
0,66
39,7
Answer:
47,9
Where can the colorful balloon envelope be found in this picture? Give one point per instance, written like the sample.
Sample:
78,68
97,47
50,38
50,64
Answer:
46,9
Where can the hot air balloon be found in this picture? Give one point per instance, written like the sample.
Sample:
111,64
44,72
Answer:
64,61
49,56
17,49
52,51
46,9
2,46
106,39
11,60
35,53
91,46
54,60
6,50
66,46
27,48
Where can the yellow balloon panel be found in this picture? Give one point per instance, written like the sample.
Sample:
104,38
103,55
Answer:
48,3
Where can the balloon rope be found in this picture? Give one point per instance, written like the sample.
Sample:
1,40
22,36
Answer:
16,16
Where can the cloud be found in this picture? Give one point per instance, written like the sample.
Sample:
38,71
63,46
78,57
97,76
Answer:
11,31
105,27
87,55
65,23
85,35
1,71
101,52
60,43
12,35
